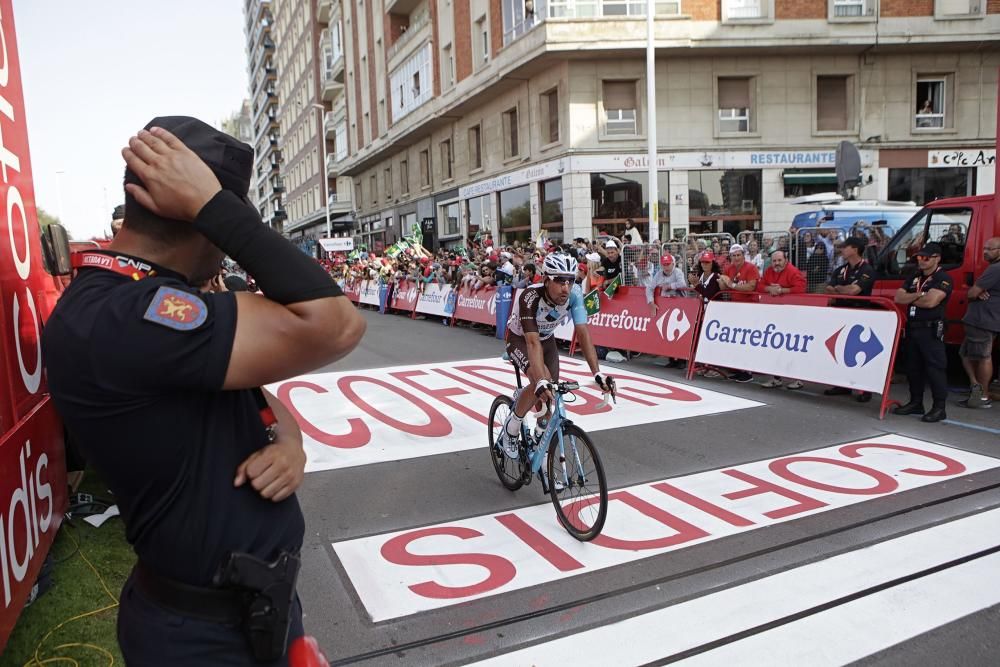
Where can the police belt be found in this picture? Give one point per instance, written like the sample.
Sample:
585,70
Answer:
216,605
922,324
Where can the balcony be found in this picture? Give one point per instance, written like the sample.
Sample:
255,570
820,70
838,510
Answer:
324,10
329,125
277,185
333,75
332,166
280,214
415,29
401,6
339,202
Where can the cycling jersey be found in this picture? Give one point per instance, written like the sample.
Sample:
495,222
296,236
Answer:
534,314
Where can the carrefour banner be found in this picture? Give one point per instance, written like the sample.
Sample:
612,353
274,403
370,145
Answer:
477,305
369,293
846,347
436,300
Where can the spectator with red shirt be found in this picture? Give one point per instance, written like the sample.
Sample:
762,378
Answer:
781,278
739,274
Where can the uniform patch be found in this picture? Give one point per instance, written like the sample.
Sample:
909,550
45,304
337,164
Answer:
176,309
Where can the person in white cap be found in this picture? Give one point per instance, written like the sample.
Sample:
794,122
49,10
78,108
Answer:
611,265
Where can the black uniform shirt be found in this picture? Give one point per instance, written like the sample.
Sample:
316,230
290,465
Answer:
862,275
939,280
609,269
136,376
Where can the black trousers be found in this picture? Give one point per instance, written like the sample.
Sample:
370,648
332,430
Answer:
927,363
152,636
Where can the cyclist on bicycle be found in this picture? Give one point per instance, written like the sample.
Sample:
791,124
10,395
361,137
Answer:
531,344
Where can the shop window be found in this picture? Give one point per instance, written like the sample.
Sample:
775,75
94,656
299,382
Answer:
549,106
446,159
724,201
510,147
735,105
449,220
922,186
833,103
931,103
620,108
425,169
475,147
616,197
477,211
515,215
802,182
404,177
552,202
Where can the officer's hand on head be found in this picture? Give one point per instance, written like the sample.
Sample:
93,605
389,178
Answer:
275,471
176,183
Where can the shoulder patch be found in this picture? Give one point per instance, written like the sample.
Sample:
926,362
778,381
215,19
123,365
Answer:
176,309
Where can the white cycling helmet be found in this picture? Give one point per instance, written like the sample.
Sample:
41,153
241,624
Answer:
559,264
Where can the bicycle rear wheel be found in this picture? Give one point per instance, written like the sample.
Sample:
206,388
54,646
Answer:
582,502
510,472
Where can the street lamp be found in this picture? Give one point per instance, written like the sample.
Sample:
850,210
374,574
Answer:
326,174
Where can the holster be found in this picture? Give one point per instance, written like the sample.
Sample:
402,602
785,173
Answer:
268,591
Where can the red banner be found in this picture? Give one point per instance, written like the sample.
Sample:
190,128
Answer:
404,296
477,305
625,322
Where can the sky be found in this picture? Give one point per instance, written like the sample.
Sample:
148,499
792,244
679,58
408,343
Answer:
96,71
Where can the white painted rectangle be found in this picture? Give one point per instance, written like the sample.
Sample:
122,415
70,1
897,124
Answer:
410,571
435,300
847,347
337,245
388,414
369,292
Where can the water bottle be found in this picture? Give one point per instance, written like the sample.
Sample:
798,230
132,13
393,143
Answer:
539,431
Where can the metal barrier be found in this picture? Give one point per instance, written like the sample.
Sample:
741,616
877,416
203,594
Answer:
637,262
697,243
814,253
759,246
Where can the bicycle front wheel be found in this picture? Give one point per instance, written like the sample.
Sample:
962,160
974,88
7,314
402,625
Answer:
577,484
510,472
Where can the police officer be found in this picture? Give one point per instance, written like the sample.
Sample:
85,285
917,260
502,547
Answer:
925,296
855,277
160,385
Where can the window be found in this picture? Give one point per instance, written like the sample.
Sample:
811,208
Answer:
619,100
388,182
930,103
734,105
746,10
425,169
724,201
925,185
448,58
510,147
959,9
802,182
519,16
409,82
552,213
475,148
404,177
949,227
340,142
833,103
477,211
366,128
842,9
549,106
416,84
374,187
358,193
481,37
617,196
515,214
449,220
446,159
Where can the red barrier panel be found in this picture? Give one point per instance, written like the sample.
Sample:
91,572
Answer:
626,323
477,305
404,296
353,291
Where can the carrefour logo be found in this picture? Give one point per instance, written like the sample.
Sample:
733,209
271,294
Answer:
672,325
851,344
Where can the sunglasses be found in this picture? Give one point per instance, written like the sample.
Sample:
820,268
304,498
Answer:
562,280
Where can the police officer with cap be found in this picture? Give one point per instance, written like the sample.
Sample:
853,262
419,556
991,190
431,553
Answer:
925,295
160,385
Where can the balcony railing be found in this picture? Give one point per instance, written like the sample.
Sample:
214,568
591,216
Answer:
579,9
331,165
416,24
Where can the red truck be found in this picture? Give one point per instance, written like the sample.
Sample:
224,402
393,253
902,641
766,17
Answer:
961,225
32,462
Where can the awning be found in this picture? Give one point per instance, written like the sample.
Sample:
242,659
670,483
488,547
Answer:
809,177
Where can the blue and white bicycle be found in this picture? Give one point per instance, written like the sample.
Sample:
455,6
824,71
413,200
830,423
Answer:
573,476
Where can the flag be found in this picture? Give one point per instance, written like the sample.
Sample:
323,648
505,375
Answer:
393,250
417,234
613,286
592,302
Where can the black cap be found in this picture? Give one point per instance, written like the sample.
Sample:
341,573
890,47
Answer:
118,213
230,159
855,242
928,250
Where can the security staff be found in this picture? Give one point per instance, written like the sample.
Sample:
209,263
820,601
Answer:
160,385
855,277
925,296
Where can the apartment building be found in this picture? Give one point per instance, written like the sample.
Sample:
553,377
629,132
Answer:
516,116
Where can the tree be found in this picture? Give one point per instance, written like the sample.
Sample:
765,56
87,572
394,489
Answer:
45,218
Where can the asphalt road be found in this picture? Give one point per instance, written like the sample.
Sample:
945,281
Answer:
821,572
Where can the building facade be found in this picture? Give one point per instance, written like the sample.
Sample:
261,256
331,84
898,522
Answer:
517,116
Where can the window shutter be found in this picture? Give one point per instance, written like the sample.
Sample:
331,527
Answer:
619,95
734,93
831,103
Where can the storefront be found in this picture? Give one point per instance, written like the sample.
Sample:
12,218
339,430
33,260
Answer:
616,197
515,215
724,200
371,233
448,220
921,176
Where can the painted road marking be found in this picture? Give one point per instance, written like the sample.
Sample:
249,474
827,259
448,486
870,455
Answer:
361,417
410,571
833,637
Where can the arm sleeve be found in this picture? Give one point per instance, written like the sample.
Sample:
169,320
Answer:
990,279
576,309
527,305
866,279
